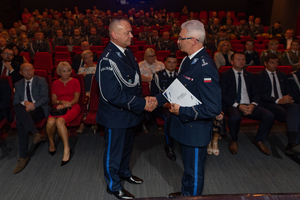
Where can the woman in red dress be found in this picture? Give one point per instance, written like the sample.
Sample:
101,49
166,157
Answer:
65,94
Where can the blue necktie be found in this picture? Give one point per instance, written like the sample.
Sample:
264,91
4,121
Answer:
239,91
28,92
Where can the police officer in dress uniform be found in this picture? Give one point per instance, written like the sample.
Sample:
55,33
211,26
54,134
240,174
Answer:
160,82
121,106
192,126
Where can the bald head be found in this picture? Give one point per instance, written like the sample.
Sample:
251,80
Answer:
120,32
116,25
85,46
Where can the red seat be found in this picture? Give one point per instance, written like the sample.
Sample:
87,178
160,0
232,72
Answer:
4,122
161,59
180,53
155,27
259,47
266,42
99,53
62,55
281,47
261,38
285,69
146,90
237,47
96,48
163,53
221,14
104,43
61,49
245,38
203,14
140,43
134,48
174,38
167,27
235,41
26,55
255,69
57,61
184,17
41,72
105,39
149,46
266,28
224,69
94,102
134,39
142,53
138,57
43,60
76,48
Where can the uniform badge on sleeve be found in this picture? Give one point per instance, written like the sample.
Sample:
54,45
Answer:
119,54
188,78
194,61
207,80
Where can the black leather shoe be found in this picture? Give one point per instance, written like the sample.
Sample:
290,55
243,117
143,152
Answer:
66,162
169,152
121,194
133,180
52,153
292,148
175,194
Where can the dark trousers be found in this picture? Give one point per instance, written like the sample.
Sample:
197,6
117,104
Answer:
118,147
25,124
193,176
167,115
289,113
259,113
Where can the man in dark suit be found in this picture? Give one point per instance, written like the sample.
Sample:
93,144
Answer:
121,107
288,39
39,44
154,38
166,44
9,67
5,97
30,106
77,60
161,81
252,56
192,126
274,94
240,98
76,39
60,39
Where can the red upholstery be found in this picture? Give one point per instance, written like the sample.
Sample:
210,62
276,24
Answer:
221,14
163,53
280,47
57,61
259,46
255,69
41,72
43,60
99,53
26,55
266,42
235,41
94,101
203,14
146,90
61,49
161,59
237,47
160,121
180,53
134,48
138,57
224,68
140,43
167,27
142,53
285,69
245,38
62,55
77,48
149,46
96,48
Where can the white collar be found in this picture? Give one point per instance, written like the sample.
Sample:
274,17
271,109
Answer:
236,72
192,56
29,80
120,48
270,73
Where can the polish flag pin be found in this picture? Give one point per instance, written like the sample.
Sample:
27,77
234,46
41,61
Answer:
207,80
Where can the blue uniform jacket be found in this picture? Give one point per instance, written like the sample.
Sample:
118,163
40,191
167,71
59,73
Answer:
194,125
161,81
121,104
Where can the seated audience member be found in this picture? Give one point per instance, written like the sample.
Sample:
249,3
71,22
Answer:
230,29
242,29
17,57
204,22
9,67
94,39
101,30
39,44
214,28
59,39
56,26
240,98
250,20
154,38
76,39
274,95
223,36
24,44
212,18
175,30
79,20
46,19
225,18
252,56
257,29
222,57
192,17
137,21
160,82
184,11
147,21
144,35
65,94
275,29
288,39
85,28
1,27
150,65
22,34
30,106
5,97
159,21
26,16
88,69
166,43
292,57
57,18
294,84
272,49
77,60
170,20
46,30
30,31
13,35
3,44
69,30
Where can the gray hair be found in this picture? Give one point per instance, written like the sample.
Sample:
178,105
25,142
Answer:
61,65
194,29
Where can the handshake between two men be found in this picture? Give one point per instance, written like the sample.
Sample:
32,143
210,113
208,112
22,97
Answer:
151,104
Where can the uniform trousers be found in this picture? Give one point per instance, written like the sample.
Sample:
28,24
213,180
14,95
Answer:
118,147
167,115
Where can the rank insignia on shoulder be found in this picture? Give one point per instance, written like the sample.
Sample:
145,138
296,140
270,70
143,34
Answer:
204,63
119,54
194,61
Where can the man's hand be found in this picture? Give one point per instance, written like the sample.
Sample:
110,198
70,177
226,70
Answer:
175,108
220,116
167,105
286,99
246,109
29,106
8,66
151,104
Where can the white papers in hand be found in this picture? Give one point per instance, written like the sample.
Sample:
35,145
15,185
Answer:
177,93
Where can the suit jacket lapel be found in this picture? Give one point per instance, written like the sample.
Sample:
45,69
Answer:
247,82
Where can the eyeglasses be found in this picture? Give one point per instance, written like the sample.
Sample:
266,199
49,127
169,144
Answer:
151,56
180,38
8,54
